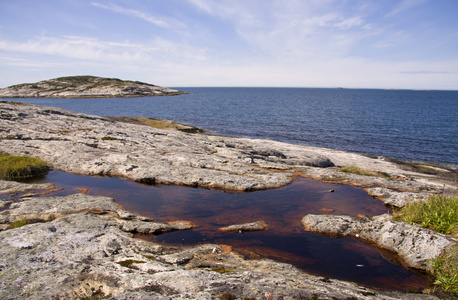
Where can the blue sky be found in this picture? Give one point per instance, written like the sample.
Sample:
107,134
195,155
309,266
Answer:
410,44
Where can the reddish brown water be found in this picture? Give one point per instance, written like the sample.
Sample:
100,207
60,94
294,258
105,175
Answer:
282,209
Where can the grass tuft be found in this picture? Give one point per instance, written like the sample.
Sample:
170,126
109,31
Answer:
19,167
364,172
439,213
20,223
446,270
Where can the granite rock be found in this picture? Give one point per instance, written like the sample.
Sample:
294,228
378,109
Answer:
93,145
416,245
253,226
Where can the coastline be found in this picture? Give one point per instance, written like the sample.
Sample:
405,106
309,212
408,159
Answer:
93,145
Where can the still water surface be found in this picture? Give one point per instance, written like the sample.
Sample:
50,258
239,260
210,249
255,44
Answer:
282,209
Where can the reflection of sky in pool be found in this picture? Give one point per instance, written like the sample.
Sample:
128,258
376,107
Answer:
282,209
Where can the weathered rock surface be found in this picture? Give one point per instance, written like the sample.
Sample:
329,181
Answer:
92,145
396,198
84,247
83,255
85,87
13,187
253,226
414,244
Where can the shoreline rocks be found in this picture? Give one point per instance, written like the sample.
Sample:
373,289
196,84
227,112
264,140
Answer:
92,145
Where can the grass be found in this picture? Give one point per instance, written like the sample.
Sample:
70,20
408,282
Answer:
446,270
439,213
19,167
20,223
364,172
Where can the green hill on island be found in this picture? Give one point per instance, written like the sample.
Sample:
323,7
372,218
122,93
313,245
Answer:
85,87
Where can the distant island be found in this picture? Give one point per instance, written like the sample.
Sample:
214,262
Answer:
86,87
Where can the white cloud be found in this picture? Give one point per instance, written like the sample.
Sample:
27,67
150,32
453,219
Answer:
93,49
291,29
161,22
404,6
132,13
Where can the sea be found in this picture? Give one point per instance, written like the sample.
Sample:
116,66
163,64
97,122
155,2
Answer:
409,125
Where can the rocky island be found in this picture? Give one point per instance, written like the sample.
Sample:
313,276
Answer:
81,246
85,87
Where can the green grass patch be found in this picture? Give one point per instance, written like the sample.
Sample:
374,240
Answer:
19,167
364,172
20,223
438,213
446,270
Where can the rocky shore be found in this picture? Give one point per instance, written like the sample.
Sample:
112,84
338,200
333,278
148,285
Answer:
81,246
85,87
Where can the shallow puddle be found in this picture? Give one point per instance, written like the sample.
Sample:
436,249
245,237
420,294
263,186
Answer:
282,209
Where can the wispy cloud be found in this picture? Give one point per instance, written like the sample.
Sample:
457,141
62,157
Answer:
161,22
94,49
21,62
404,6
302,28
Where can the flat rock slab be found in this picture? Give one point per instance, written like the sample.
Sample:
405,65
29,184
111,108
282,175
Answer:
254,226
92,145
13,187
416,245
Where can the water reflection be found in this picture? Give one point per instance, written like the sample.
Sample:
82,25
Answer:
282,209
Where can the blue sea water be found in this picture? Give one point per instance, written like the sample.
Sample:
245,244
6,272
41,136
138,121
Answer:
403,124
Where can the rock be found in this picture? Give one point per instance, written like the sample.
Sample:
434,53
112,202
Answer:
4,203
254,226
85,87
396,198
176,258
92,145
153,227
13,187
416,245
50,208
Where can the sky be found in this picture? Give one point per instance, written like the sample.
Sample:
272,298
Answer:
403,44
